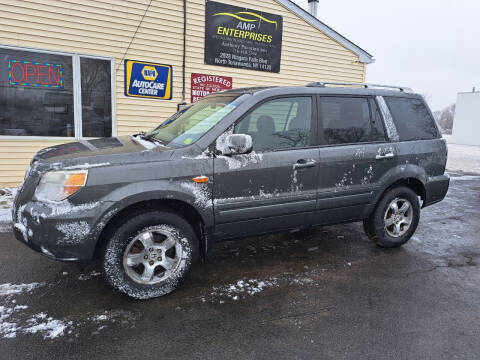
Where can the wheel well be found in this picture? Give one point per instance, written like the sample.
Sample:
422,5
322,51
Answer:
181,208
412,183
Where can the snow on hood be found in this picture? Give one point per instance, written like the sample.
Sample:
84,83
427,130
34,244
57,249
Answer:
101,149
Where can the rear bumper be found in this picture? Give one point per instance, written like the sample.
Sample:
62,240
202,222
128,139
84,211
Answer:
436,189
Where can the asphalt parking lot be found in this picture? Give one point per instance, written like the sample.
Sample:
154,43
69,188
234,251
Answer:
324,293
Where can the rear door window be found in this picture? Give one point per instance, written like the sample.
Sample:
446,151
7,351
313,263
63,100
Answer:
347,120
412,119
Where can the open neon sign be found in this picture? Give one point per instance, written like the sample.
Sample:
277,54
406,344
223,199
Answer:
33,73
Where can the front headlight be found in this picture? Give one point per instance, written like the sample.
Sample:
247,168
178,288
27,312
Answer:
58,185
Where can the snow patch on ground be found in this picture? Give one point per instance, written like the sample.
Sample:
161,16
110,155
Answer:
11,325
17,319
102,317
242,289
89,275
15,289
238,290
48,326
14,320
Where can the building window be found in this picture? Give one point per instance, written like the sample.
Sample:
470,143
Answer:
38,95
96,97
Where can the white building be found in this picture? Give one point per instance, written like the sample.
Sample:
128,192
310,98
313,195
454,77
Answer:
466,125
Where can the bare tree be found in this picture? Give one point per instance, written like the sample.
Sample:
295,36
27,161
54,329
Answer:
445,118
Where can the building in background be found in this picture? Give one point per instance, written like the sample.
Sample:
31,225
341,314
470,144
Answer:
71,70
466,124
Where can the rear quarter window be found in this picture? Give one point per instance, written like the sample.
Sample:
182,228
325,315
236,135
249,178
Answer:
412,119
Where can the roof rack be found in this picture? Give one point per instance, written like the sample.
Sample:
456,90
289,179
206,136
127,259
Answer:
365,85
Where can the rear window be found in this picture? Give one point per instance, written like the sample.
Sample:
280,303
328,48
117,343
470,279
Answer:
412,119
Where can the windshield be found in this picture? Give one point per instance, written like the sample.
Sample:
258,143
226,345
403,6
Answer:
190,124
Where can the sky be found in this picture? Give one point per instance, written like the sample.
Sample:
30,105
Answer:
432,46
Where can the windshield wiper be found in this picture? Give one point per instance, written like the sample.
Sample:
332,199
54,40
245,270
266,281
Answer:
149,137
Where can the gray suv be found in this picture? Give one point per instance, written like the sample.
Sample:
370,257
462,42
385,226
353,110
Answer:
234,164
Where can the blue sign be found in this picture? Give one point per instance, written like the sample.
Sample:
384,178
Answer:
148,80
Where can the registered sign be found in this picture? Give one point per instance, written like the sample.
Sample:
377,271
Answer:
203,85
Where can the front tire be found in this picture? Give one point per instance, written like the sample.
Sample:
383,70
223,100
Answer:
150,254
395,218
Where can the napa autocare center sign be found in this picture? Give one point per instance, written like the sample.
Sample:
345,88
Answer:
242,38
148,80
203,85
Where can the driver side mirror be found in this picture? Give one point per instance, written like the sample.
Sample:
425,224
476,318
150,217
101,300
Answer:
237,144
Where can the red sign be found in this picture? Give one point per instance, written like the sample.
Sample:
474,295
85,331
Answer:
203,84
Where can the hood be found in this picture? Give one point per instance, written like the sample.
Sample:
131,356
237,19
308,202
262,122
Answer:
97,150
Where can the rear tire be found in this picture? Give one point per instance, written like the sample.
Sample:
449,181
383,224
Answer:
395,218
150,254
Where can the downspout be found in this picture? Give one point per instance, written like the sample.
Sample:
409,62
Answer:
183,102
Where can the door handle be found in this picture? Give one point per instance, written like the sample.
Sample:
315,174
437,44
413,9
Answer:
302,163
389,155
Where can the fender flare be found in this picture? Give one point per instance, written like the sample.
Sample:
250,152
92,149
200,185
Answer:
133,193
396,174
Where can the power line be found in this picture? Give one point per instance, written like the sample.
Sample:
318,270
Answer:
134,35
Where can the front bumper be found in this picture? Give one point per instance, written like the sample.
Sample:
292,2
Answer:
436,189
62,231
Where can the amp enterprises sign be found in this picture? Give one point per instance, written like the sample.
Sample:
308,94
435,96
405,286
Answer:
242,38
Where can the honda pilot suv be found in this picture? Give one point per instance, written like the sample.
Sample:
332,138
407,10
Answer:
235,164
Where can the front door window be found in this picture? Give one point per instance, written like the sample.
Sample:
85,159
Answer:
282,123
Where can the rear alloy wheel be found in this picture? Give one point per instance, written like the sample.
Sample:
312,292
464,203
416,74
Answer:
150,254
398,217
395,218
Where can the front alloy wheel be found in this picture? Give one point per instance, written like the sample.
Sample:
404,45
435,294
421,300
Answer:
150,254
